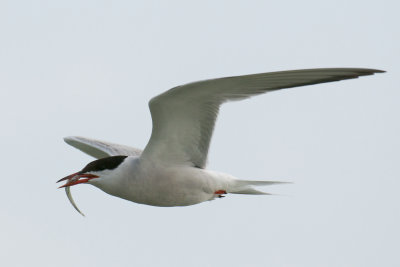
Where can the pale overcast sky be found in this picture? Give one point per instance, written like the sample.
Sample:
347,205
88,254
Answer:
89,68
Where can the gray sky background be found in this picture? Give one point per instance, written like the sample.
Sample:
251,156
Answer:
89,68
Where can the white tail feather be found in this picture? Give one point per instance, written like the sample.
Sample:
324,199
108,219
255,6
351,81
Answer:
246,187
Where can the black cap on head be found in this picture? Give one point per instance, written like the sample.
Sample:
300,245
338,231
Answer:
109,163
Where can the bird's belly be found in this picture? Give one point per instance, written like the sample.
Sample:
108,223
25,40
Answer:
167,191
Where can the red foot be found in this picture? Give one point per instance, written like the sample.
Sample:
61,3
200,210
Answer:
220,192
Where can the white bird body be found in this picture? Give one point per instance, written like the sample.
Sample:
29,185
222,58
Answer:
160,184
170,171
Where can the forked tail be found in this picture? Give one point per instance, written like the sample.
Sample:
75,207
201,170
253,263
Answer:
246,187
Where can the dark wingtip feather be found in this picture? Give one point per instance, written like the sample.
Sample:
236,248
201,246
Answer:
370,71
380,71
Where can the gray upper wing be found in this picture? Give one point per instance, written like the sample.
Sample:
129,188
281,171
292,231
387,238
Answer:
184,116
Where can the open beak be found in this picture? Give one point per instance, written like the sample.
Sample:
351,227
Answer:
77,178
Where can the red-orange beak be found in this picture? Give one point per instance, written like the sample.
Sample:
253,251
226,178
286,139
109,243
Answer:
77,178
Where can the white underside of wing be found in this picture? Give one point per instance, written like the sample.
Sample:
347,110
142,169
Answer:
184,116
100,149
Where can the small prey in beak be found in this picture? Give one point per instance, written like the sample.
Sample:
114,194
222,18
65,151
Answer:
74,179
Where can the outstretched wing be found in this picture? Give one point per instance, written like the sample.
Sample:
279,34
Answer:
184,116
100,149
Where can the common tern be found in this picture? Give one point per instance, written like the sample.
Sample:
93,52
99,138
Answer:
170,171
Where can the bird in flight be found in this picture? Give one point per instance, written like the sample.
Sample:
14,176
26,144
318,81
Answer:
170,171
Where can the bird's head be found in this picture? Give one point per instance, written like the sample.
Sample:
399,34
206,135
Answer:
94,172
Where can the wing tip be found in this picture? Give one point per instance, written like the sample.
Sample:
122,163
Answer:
379,71
68,139
370,71
71,139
